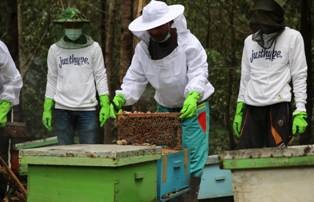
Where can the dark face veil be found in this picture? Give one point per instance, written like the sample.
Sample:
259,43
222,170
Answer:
267,22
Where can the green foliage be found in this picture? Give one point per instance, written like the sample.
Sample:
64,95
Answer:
218,138
32,97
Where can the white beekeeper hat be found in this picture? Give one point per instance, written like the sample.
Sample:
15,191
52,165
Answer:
155,13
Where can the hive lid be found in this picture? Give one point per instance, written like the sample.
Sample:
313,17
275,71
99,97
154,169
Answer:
37,143
268,157
90,155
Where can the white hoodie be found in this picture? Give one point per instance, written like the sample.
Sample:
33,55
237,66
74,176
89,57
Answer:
266,74
10,79
174,76
74,75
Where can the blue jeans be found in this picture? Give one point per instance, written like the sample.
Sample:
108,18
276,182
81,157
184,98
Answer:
67,123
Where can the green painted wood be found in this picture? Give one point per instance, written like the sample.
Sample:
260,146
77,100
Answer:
137,184
270,162
86,161
133,183
37,143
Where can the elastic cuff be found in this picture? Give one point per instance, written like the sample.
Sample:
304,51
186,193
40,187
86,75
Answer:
187,92
6,101
300,107
121,94
296,112
240,107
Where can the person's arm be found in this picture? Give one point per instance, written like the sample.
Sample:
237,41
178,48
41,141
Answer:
52,74
197,67
298,69
51,86
135,81
245,74
245,77
10,82
100,73
10,79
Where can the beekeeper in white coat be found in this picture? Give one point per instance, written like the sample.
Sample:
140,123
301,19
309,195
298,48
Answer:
174,62
10,87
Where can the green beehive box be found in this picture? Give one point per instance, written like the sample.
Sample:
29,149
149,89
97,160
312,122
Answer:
91,173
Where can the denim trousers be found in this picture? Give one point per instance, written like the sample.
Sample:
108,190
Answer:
68,123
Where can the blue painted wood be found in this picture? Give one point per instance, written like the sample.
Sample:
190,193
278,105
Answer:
173,174
215,182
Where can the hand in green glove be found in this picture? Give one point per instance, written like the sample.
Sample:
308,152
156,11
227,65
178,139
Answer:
190,105
5,107
47,114
112,113
237,122
299,123
117,104
104,112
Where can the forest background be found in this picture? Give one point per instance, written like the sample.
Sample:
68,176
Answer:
27,27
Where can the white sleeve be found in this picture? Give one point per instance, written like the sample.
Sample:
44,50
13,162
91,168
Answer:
52,74
298,69
197,67
245,74
10,78
100,74
135,81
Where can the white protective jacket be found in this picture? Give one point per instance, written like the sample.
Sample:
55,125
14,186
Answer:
10,79
172,77
74,75
266,74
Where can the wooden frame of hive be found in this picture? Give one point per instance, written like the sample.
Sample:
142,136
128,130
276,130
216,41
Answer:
160,128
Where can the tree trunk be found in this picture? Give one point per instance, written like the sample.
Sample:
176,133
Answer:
108,23
126,38
19,30
103,26
306,31
231,73
13,44
208,34
137,9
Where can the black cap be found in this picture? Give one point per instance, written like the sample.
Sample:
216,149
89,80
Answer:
269,5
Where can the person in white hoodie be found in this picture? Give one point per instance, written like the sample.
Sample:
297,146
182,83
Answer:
10,87
273,60
174,62
75,71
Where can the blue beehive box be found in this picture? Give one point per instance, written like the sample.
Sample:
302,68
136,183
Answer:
173,174
215,182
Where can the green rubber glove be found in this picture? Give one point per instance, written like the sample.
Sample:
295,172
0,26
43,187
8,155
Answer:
47,114
5,107
112,113
117,104
190,105
299,123
237,122
104,112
